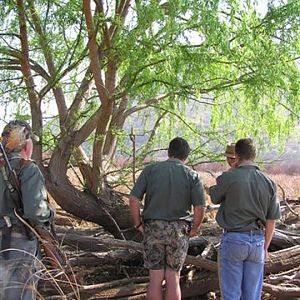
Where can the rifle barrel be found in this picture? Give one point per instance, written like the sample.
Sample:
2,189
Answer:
5,157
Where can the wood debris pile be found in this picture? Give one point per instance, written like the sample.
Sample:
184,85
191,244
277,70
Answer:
107,268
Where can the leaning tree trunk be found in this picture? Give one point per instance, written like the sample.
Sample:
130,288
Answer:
112,213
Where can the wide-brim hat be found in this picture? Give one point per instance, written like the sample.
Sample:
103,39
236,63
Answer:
15,134
230,151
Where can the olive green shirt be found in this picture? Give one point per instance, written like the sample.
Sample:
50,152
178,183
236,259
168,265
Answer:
170,189
246,196
34,195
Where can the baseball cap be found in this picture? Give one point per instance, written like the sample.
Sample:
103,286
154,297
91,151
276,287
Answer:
230,151
15,134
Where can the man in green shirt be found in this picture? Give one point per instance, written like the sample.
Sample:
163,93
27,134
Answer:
170,190
19,250
247,213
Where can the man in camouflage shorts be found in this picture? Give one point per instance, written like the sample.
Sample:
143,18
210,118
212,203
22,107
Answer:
170,189
165,244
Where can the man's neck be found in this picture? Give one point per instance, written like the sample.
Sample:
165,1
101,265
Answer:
24,155
177,159
246,162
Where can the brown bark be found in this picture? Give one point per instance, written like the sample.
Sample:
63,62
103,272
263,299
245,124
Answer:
35,102
283,260
87,206
84,132
131,287
98,157
282,292
108,258
117,122
78,102
93,53
278,261
104,95
97,244
57,91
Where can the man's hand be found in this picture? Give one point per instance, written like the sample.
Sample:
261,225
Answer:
140,227
206,188
197,220
193,232
266,255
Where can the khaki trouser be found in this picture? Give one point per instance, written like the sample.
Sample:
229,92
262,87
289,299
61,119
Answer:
18,273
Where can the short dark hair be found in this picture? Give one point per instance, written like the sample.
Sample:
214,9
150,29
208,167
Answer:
179,148
245,149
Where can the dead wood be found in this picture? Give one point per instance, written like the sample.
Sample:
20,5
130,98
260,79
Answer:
283,260
286,202
135,288
94,243
282,292
118,288
104,254
111,257
283,239
200,286
278,261
81,242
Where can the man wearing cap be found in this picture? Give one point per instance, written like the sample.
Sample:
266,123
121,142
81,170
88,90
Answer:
247,214
170,189
19,249
230,155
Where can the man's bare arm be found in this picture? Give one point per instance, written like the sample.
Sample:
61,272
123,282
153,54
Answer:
135,206
197,220
270,228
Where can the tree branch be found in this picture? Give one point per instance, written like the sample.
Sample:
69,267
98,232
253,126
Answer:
25,67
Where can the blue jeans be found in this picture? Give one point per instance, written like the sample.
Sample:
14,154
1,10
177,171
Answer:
19,273
241,265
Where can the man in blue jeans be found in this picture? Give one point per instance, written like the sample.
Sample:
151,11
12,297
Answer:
247,214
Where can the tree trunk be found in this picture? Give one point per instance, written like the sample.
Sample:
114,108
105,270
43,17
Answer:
87,206
35,101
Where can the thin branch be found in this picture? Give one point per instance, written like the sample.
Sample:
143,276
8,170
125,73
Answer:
147,103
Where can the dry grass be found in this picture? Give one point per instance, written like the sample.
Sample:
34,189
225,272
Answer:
285,174
290,183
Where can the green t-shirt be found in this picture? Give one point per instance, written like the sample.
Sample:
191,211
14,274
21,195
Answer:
170,189
246,195
34,195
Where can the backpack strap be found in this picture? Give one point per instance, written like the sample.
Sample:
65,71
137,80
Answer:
6,176
24,163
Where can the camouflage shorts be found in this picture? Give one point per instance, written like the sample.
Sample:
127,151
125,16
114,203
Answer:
165,244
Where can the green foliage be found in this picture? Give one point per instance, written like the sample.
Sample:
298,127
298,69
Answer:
216,70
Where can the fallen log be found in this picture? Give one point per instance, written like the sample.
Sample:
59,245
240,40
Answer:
283,260
282,292
290,275
116,288
77,241
111,257
278,261
135,288
197,261
283,239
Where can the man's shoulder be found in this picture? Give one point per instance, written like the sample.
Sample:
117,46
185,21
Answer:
27,164
150,165
190,173
228,175
28,168
266,177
